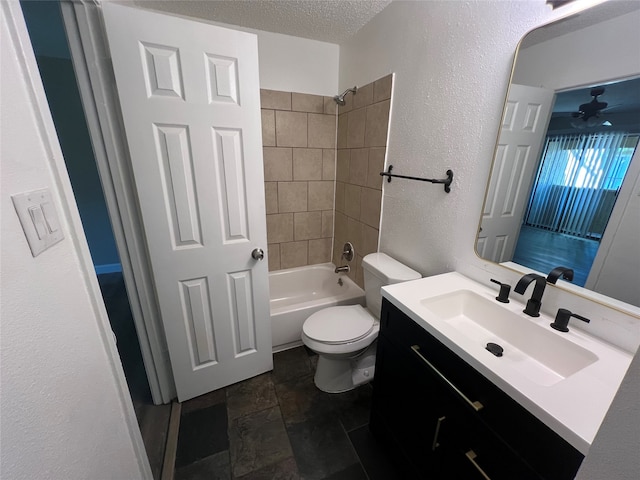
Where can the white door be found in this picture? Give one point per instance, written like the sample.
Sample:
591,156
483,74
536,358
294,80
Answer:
524,128
190,100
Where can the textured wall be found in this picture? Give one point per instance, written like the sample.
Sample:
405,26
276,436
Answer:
451,63
63,413
614,452
296,64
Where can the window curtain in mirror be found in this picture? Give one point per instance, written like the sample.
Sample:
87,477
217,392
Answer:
578,181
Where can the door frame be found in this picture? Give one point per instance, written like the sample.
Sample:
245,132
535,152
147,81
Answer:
625,196
91,59
21,43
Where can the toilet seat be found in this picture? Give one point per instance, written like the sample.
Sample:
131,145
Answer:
338,325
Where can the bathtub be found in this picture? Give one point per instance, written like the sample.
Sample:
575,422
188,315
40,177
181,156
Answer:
298,292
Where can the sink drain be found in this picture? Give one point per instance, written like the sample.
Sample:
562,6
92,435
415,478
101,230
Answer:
495,349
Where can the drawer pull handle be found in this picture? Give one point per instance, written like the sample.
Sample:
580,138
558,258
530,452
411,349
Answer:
435,443
477,406
471,455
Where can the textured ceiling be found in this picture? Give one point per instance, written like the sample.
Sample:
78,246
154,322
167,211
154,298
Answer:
326,20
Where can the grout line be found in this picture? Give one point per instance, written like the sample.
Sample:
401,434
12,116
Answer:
353,447
169,463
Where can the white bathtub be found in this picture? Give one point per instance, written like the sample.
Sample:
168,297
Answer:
298,292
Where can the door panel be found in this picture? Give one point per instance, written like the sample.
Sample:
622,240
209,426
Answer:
190,100
196,310
231,191
176,170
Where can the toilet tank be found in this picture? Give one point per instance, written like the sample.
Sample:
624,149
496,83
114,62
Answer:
380,270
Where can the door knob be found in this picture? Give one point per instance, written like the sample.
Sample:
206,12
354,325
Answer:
257,254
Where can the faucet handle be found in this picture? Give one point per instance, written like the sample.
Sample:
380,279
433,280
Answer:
505,289
348,251
562,319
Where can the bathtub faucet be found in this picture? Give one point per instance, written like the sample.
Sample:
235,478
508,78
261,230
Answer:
344,268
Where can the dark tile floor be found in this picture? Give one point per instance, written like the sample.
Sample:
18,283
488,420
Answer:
280,426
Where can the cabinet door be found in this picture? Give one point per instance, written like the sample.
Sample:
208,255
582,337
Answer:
406,411
475,452
466,448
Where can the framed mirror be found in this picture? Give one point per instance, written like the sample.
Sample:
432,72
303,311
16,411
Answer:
564,188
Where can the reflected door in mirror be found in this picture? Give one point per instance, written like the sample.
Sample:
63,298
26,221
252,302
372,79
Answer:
522,134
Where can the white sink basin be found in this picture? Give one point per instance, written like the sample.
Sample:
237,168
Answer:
535,352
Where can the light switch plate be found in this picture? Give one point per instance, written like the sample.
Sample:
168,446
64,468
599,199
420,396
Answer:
39,219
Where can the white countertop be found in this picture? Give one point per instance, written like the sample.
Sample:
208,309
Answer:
573,407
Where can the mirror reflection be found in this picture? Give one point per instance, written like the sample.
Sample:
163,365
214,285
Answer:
564,187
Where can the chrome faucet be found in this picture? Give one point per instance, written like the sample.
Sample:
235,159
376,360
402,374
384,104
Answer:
535,302
343,268
559,272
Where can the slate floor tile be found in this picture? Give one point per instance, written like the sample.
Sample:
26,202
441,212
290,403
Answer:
257,440
279,426
321,447
289,364
372,456
251,396
354,407
204,401
301,400
154,426
214,467
284,470
313,358
202,433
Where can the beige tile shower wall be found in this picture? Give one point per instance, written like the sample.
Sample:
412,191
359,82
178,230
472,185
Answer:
299,147
362,141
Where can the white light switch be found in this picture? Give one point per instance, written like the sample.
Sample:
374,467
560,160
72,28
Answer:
50,217
38,218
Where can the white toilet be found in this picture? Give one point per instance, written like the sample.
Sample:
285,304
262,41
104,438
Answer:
344,337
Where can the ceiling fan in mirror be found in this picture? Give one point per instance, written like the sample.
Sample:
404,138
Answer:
589,114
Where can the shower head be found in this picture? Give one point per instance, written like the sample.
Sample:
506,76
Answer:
339,99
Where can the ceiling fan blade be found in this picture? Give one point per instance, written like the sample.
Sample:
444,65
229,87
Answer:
611,107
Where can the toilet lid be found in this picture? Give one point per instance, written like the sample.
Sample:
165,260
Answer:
339,324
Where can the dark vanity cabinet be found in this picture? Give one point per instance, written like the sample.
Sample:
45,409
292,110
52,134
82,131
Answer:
441,419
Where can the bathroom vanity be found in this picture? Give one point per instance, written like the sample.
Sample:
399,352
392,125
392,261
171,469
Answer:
448,408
